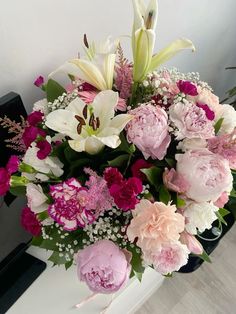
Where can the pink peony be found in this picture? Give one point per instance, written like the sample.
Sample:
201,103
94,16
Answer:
103,266
187,88
35,117
192,243
4,181
225,145
190,121
139,165
44,149
39,81
222,200
174,181
155,224
30,222
13,164
68,208
208,174
125,193
30,134
171,257
148,130
113,176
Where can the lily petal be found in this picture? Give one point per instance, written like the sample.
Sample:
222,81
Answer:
151,14
77,145
67,68
170,51
112,141
109,66
93,145
120,121
76,106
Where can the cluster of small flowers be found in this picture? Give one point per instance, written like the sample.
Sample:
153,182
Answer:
62,101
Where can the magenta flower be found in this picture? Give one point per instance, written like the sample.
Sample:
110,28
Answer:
4,181
209,113
30,222
104,267
187,88
44,149
39,81
68,208
30,134
125,194
113,176
137,166
35,117
13,164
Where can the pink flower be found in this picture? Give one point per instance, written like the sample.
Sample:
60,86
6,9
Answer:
205,96
171,257
67,209
222,200
44,149
187,88
155,224
112,176
148,130
208,174
30,134
125,193
124,79
192,243
190,121
174,181
137,166
104,267
225,145
209,113
13,164
30,222
39,81
35,117
4,181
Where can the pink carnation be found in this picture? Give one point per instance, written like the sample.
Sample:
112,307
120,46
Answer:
125,193
30,222
44,149
208,174
190,121
39,81
174,181
225,145
155,224
13,164
148,130
35,117
171,257
112,176
104,267
188,88
205,96
139,165
4,181
30,134
209,113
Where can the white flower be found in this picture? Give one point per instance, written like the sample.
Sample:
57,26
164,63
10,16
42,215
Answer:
192,143
228,113
37,200
200,216
49,165
90,127
41,105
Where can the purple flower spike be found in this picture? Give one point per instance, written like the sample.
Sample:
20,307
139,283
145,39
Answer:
39,81
187,88
209,113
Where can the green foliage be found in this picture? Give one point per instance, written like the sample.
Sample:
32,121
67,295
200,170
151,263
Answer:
119,161
218,125
53,90
18,190
154,176
136,262
204,256
164,195
180,203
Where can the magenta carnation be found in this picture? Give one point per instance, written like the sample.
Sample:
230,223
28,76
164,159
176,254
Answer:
35,117
125,193
104,267
39,81
209,113
187,88
112,176
30,134
139,165
68,208
148,130
4,181
44,149
13,164
30,222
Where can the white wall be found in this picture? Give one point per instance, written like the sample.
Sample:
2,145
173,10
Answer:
36,36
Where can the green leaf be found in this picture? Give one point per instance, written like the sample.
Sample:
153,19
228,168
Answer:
154,176
125,146
171,162
36,241
232,92
138,276
170,275
218,124
233,193
43,215
204,256
220,218
53,90
223,211
118,161
58,258
164,195
180,203
68,264
18,190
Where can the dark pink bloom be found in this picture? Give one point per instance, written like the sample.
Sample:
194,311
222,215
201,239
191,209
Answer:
222,200
187,88
30,134
87,87
175,181
39,81
13,164
4,181
44,149
209,113
137,166
30,222
125,194
35,117
112,176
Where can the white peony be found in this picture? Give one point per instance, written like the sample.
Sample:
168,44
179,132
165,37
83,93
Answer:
192,143
37,200
229,123
200,216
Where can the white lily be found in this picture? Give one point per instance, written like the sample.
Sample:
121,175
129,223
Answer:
98,68
90,127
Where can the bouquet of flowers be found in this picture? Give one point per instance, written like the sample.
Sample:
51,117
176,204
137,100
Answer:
126,163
